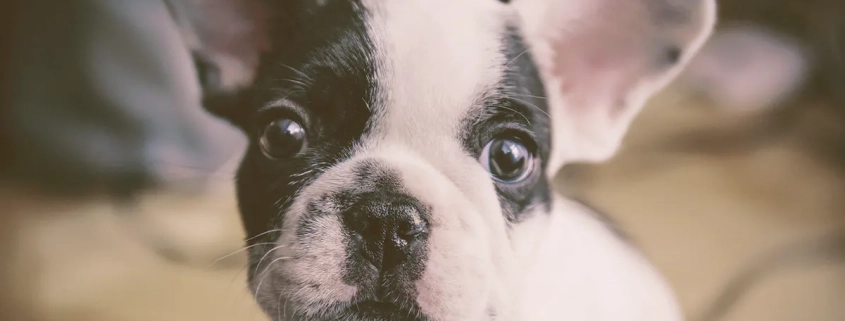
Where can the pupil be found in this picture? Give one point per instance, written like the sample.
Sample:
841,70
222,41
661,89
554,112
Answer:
283,138
508,159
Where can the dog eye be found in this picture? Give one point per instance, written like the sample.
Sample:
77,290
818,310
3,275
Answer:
507,160
282,138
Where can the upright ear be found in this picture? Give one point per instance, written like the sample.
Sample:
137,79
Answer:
602,59
227,39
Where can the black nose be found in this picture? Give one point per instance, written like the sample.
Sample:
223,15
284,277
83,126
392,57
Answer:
386,229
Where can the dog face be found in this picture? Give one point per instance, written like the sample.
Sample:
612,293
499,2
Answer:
402,150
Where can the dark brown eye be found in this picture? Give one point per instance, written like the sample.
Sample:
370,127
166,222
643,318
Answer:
282,138
507,160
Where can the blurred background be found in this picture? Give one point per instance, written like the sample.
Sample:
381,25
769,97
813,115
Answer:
116,196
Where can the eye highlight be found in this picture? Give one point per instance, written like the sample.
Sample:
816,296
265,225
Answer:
282,138
507,160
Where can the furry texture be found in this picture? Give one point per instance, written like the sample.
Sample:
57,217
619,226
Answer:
401,100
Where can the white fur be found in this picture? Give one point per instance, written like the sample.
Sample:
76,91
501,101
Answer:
564,265
318,259
580,270
435,59
421,114
597,60
467,242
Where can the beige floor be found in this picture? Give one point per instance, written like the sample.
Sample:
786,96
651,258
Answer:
96,262
701,217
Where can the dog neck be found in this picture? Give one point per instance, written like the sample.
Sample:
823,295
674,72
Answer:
575,267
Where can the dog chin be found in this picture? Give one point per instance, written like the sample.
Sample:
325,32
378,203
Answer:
363,310
374,310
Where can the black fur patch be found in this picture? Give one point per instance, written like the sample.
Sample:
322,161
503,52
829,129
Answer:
518,108
324,72
322,75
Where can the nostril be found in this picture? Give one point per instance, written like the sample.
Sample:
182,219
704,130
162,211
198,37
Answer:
372,228
356,222
409,230
385,230
380,220
363,225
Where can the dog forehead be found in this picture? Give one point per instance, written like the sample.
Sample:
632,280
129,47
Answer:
435,60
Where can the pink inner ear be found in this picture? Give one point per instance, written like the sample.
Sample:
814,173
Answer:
602,58
596,74
253,31
237,28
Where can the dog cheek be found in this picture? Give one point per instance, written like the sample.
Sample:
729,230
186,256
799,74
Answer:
306,271
457,278
318,263
462,266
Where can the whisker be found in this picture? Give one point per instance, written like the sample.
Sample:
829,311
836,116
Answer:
265,256
279,311
294,310
303,173
285,93
295,82
263,273
278,204
516,111
529,96
532,105
264,233
297,182
305,176
298,72
517,57
236,252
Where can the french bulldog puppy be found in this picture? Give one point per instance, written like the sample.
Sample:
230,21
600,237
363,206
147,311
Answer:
402,150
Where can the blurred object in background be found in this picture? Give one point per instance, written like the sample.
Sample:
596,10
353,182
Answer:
116,187
773,69
747,69
818,25
105,99
85,261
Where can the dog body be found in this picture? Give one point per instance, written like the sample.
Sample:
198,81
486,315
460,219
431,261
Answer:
605,290
402,151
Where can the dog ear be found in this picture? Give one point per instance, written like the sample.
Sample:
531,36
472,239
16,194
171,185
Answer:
227,39
602,59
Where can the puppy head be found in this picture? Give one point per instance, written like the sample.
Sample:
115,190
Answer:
402,150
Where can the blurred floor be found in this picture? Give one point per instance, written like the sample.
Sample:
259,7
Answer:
97,261
705,216
700,216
